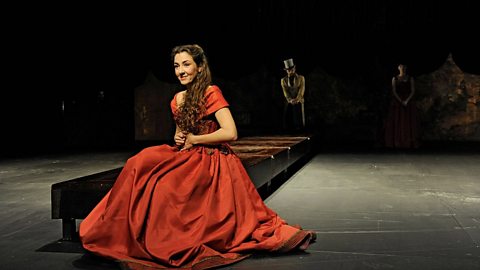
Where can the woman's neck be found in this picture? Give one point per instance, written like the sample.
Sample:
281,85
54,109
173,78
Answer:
402,76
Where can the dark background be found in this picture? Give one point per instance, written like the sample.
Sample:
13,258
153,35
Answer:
70,70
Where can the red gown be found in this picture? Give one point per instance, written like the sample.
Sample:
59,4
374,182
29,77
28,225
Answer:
402,123
193,209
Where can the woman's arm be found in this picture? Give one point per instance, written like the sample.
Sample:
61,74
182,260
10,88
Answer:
412,90
226,133
179,136
394,90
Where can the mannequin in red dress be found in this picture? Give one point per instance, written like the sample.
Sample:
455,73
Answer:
191,205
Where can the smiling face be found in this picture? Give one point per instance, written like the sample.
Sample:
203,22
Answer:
185,68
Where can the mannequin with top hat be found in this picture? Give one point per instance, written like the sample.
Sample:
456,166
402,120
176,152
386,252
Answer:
293,86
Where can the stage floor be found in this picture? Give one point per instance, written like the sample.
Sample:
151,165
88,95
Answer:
370,211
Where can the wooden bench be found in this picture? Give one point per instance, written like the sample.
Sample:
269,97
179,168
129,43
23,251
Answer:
264,157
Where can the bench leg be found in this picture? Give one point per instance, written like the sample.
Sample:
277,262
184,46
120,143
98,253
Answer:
69,229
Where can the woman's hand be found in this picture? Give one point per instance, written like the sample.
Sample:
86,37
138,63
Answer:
180,138
188,142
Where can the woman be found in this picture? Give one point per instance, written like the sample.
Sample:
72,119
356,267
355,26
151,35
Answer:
402,123
191,205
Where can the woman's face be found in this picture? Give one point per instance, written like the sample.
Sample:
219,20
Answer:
185,68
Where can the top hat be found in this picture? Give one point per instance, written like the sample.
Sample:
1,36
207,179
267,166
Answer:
289,63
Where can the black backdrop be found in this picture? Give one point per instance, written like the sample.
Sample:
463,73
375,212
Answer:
60,57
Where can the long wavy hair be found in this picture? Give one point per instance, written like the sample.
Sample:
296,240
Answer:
191,111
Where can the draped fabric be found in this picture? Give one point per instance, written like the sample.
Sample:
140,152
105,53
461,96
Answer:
193,209
402,123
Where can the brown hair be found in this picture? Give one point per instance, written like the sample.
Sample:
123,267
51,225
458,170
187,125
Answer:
193,108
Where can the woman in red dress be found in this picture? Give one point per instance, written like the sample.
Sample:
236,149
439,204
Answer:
191,205
402,123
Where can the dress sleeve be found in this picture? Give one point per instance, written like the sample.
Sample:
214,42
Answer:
214,100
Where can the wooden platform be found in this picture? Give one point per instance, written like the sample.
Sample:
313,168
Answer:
264,157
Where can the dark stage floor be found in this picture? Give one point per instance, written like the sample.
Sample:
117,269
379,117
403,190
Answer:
371,210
